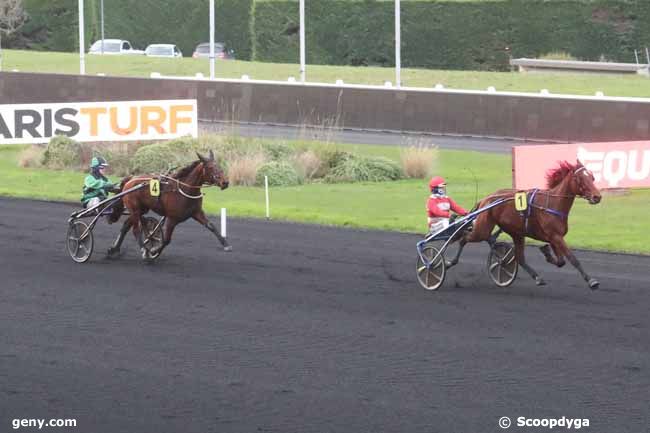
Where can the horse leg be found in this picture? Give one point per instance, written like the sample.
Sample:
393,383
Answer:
493,237
560,245
114,250
168,227
520,242
556,260
481,230
200,217
454,261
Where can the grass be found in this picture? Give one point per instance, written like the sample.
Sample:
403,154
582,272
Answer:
613,225
140,66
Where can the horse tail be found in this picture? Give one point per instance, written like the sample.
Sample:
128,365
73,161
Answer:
118,209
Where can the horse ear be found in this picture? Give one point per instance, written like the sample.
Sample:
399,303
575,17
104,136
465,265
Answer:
201,158
211,155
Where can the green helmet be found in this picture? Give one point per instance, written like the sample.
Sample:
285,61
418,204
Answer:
98,162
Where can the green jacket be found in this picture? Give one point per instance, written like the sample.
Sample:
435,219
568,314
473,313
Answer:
95,187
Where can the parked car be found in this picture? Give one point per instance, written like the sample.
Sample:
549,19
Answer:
220,51
163,50
114,47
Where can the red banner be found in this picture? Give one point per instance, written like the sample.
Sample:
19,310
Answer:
614,165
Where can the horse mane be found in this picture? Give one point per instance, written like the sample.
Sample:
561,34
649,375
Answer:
555,175
185,171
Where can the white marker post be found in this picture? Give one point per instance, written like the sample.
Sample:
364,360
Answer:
82,43
266,187
223,222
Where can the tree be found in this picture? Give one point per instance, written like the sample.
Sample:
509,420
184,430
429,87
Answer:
12,17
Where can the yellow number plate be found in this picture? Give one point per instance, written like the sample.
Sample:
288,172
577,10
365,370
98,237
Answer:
154,187
521,202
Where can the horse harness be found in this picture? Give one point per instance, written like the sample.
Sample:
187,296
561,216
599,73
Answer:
171,181
531,204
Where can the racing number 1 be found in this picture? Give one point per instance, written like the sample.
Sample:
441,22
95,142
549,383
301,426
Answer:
521,204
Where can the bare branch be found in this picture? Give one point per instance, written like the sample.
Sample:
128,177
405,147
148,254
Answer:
12,16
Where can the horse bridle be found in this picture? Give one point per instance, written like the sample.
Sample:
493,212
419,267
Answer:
587,172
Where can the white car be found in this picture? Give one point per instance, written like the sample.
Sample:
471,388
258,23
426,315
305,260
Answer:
113,47
163,50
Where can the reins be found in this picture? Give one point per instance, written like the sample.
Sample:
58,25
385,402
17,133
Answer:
178,184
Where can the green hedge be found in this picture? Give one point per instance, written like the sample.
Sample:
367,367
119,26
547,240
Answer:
470,34
53,24
450,34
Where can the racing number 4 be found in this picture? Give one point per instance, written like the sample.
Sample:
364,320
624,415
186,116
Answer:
521,204
154,187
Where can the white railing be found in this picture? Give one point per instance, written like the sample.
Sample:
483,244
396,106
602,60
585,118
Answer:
388,86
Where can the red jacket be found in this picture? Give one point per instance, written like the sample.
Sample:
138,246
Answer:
438,207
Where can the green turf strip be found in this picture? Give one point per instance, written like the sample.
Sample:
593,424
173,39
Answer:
617,224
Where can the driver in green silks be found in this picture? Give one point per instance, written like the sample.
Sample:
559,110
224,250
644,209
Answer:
96,185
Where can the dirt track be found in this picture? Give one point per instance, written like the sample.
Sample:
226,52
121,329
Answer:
308,329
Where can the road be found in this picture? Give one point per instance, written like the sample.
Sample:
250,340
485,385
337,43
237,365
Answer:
308,329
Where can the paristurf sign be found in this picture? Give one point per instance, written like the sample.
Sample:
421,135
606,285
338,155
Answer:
98,121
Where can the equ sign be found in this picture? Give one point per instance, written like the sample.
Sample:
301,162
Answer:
614,165
98,121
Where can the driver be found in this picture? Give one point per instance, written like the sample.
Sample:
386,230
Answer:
439,206
96,185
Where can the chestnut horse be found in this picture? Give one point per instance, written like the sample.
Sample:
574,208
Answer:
180,198
546,218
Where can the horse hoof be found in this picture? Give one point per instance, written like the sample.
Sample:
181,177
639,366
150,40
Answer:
540,282
449,264
113,253
594,284
228,249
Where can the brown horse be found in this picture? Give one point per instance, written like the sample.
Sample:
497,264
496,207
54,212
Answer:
546,218
180,198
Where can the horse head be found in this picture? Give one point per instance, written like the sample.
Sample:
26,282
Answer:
583,184
213,174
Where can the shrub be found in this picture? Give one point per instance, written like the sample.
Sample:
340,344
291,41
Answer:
557,55
418,161
183,145
31,157
119,161
277,151
280,173
62,152
156,158
365,169
307,164
243,170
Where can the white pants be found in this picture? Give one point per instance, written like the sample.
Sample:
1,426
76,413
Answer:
93,202
438,224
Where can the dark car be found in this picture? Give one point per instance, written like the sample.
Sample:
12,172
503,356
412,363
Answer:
220,51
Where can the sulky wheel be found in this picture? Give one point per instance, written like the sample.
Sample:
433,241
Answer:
152,237
502,264
431,278
79,241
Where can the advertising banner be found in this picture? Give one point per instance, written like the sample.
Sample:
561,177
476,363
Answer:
614,164
98,121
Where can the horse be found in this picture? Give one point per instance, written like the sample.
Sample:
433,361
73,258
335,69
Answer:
179,199
545,219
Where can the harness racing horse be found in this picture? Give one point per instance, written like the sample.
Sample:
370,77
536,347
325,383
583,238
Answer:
545,218
180,198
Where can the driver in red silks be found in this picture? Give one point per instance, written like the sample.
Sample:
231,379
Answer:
439,206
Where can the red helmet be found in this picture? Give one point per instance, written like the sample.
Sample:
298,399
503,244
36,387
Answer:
436,181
